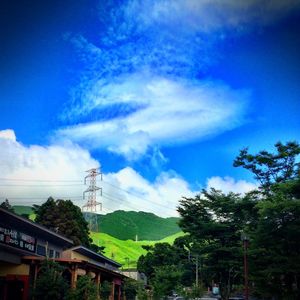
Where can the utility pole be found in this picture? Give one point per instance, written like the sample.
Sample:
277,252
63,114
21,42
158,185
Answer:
197,275
196,256
245,240
92,204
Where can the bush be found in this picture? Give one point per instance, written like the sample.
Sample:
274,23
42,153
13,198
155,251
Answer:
105,290
85,289
50,284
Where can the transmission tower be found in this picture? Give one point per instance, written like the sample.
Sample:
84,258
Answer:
92,204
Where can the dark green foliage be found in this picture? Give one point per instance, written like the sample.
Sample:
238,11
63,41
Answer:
161,254
269,168
132,288
6,205
274,252
194,292
97,249
167,266
85,289
65,218
50,284
215,221
275,247
166,280
105,290
126,225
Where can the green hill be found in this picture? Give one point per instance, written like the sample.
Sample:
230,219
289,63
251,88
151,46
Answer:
119,230
126,252
23,210
126,225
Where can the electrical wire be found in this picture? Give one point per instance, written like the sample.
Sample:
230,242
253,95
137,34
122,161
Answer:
67,185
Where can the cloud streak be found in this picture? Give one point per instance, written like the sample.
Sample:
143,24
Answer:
143,85
210,15
155,111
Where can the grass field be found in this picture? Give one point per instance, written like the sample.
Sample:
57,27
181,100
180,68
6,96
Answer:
126,252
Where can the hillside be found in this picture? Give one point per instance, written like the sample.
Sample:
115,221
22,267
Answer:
25,211
126,225
126,252
119,229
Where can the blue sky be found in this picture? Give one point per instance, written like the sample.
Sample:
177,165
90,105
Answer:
162,94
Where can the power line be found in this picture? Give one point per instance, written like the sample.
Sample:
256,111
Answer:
79,197
139,197
41,185
37,198
108,197
39,180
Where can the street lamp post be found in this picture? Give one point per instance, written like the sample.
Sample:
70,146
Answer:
245,240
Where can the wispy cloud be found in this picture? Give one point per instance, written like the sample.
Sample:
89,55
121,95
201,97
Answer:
143,84
210,15
156,111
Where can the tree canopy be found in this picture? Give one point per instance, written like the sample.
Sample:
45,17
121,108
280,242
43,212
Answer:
270,217
6,205
214,223
269,168
65,218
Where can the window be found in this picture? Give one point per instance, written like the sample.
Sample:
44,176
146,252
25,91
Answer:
57,254
41,250
51,253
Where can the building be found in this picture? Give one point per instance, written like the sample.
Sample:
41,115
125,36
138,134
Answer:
25,244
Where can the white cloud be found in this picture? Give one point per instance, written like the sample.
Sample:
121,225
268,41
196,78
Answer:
229,184
58,171
128,190
162,111
51,163
8,134
210,15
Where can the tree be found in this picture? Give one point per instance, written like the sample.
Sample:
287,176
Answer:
105,290
85,289
50,284
215,221
161,259
274,238
6,205
65,218
161,254
133,288
271,168
166,280
275,244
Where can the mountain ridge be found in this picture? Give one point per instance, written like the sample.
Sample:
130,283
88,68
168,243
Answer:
126,225
133,225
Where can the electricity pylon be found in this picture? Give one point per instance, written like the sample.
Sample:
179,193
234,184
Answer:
92,204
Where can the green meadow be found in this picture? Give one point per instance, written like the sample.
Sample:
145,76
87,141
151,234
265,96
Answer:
119,230
126,252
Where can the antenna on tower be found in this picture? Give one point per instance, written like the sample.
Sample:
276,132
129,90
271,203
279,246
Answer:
92,204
